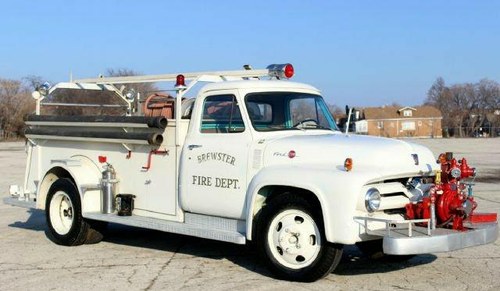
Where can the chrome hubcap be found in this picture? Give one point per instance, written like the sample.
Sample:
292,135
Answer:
61,213
294,239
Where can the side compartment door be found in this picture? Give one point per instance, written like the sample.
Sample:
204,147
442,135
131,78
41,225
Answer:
215,158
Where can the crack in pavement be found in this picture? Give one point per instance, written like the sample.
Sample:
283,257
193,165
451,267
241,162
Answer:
472,258
38,268
401,287
198,272
165,265
129,278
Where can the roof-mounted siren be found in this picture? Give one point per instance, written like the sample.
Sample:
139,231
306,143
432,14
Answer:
280,71
180,82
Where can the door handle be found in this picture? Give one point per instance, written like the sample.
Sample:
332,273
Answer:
194,146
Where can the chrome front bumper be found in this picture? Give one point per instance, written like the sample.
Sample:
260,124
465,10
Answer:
413,240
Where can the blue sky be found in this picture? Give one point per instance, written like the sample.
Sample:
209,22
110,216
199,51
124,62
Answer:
361,53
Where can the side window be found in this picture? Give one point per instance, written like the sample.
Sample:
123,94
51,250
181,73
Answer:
221,114
260,112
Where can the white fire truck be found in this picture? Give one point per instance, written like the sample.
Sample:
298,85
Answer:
253,158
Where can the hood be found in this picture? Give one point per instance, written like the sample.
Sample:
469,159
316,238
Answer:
384,156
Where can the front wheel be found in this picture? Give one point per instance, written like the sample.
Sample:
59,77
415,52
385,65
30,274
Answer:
293,242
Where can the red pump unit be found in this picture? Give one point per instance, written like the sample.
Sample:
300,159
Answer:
450,201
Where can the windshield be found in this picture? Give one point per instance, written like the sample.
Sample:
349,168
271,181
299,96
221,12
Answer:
271,111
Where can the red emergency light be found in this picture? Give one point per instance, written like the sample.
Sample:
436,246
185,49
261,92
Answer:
280,71
289,71
180,81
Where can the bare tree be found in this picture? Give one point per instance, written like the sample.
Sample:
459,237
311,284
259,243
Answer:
436,91
33,81
466,106
440,96
335,110
15,105
145,89
489,93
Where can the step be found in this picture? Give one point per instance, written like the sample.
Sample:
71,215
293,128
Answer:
204,226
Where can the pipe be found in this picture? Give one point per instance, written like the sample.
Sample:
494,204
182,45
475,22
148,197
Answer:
433,212
153,122
153,138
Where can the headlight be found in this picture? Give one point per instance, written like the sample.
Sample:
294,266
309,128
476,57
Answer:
372,200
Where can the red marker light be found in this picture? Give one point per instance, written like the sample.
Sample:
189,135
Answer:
102,159
289,71
348,164
180,81
291,154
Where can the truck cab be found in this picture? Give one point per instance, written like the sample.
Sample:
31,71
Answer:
231,126
248,160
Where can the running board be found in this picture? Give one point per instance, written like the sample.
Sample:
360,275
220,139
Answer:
204,226
15,201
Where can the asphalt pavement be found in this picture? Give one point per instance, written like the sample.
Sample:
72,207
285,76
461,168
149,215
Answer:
138,259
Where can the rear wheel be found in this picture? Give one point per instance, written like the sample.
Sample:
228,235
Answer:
293,242
64,216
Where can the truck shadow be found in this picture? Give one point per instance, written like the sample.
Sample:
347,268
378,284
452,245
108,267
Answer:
353,262
36,221
247,256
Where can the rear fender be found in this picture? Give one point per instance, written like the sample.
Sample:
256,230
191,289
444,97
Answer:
83,172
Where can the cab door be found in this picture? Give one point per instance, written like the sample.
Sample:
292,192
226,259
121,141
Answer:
214,159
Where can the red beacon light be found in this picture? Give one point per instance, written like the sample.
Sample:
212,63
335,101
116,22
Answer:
289,71
180,81
280,71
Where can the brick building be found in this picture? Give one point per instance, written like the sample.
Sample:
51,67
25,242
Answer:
391,121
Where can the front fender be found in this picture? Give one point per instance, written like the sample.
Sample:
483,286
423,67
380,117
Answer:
336,190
